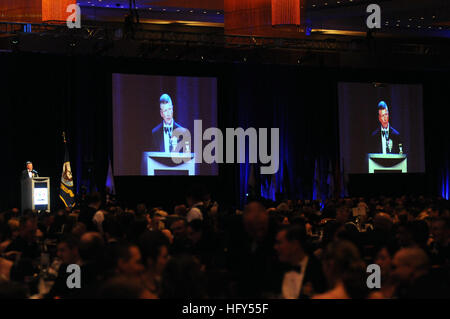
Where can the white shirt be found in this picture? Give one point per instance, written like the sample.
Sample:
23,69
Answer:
30,174
383,139
194,213
293,281
167,136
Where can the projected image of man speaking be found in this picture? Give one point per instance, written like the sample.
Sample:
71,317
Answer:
162,135
385,139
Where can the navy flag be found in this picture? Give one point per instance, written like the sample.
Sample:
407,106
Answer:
66,191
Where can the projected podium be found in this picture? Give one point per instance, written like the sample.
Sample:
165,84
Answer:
36,194
163,163
387,163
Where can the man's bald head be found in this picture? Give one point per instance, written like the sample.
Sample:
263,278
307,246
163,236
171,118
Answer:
410,263
91,246
383,222
414,257
90,237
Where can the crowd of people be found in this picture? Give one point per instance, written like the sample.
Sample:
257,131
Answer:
199,249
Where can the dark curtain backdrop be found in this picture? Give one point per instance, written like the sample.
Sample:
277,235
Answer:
303,107
437,133
45,95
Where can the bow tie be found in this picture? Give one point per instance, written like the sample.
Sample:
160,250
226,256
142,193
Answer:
167,129
384,132
294,268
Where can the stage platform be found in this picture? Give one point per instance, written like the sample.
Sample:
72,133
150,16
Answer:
388,184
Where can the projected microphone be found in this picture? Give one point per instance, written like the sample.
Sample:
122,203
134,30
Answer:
35,172
390,144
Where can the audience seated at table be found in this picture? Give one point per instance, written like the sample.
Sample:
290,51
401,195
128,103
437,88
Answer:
293,249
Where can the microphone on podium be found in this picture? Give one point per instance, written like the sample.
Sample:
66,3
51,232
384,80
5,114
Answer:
390,145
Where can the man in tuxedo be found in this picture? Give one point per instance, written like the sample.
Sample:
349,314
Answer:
414,276
252,259
385,139
163,137
303,275
29,172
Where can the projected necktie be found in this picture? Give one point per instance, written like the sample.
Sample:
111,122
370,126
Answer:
385,135
168,131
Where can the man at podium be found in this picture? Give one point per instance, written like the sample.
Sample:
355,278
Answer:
385,139
163,139
29,172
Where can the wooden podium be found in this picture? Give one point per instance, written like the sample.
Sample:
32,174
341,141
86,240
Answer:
387,163
36,194
164,163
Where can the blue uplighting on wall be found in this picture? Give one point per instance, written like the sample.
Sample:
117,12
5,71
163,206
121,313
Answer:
445,184
27,28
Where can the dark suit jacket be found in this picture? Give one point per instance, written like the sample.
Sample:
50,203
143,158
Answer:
314,281
314,277
25,174
86,215
254,269
375,141
158,136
